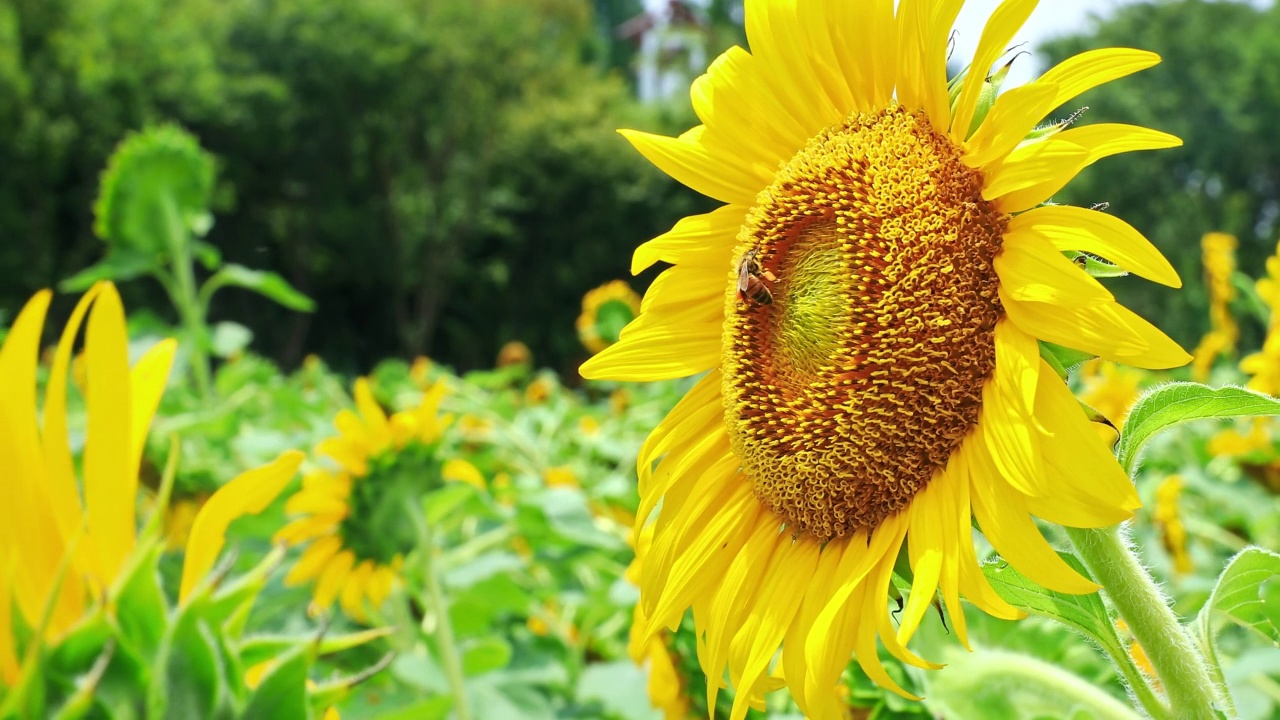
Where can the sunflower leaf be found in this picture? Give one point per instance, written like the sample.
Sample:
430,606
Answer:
1084,613
1168,405
1244,595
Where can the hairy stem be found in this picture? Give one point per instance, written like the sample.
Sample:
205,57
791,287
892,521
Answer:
438,610
1182,670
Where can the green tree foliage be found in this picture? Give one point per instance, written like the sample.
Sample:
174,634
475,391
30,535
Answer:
439,176
1218,90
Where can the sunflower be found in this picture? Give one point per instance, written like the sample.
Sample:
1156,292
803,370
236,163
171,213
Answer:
64,540
351,514
1263,367
1218,251
1110,389
1173,533
605,311
866,308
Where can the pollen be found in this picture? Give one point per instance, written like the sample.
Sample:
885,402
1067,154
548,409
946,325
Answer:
846,393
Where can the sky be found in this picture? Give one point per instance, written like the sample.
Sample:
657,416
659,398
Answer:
1050,19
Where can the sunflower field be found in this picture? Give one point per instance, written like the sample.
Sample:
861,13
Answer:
885,422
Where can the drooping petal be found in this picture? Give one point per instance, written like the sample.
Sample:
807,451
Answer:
1007,428
313,560
249,493
373,417
925,551
1073,228
332,580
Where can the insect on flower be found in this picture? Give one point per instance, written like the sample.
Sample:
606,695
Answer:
752,278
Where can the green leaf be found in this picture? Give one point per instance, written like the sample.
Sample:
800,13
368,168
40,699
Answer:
263,282
1085,613
83,699
1168,405
188,680
206,254
1062,358
1245,594
440,503
120,264
436,708
486,655
141,609
283,690
261,648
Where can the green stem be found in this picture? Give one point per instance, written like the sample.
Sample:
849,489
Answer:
186,299
1182,670
1137,682
438,609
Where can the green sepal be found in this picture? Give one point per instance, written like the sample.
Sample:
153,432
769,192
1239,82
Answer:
260,648
1063,359
1095,266
282,693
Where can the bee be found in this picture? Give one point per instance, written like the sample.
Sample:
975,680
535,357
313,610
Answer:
752,280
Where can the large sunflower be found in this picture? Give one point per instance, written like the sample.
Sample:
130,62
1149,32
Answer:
351,514
866,308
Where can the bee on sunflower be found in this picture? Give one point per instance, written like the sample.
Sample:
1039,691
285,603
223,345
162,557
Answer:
351,513
868,308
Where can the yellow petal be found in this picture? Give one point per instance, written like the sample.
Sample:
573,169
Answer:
148,379
333,579
375,420
61,484
705,240
1104,328
110,485
1090,69
925,551
310,502
8,649
459,470
1012,116
923,26
1032,270
249,493
1018,182
353,593
1002,514
776,39
306,528
1001,26
868,55
657,352
313,560
1073,228
973,583
718,175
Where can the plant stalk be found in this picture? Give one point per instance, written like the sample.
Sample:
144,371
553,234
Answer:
438,608
1182,670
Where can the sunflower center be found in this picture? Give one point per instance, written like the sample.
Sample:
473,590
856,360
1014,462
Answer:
860,328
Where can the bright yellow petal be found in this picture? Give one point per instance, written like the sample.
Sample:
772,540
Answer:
777,40
8,648
353,593
973,583
718,175
1003,24
310,502
333,579
1003,516
313,560
867,52
737,104
249,493
61,484
1018,183
657,352
375,420
1104,328
306,528
459,470
1073,228
739,585
925,551
1032,270
705,240
1090,69
351,457
110,488
148,379
1013,115
923,27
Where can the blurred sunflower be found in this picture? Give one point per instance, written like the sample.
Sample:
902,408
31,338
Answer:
1173,534
514,354
65,539
1263,367
1110,389
1218,251
866,308
352,515
605,311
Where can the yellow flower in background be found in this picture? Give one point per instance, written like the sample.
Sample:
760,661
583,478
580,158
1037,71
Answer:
1110,389
1219,255
514,353
588,426
419,371
619,401
179,518
458,470
866,307
560,476
605,311
475,429
1173,534
667,691
539,391
351,516
74,535
1263,367
1232,443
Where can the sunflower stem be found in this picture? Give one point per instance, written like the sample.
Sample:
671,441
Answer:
438,609
1182,670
